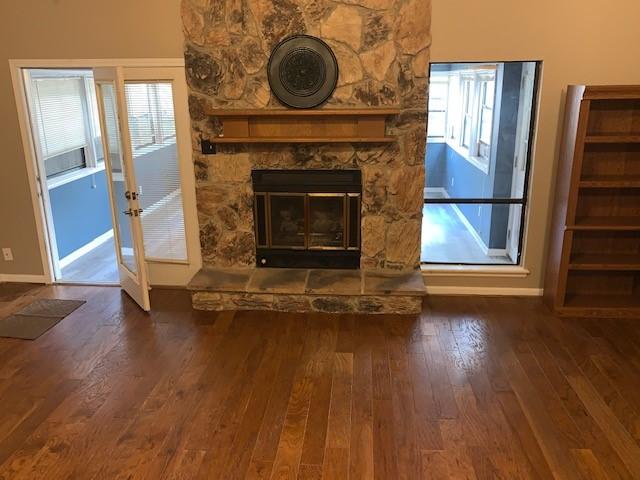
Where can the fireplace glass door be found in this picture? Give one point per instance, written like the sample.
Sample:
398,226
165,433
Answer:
326,220
313,221
287,215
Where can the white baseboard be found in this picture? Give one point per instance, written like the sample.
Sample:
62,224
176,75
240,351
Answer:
438,190
17,278
488,291
76,254
472,231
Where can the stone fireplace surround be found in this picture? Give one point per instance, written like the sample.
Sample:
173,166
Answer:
382,47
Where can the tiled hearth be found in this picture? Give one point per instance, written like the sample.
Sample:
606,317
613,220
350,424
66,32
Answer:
307,290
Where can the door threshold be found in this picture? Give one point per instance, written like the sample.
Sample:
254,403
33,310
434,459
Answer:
76,283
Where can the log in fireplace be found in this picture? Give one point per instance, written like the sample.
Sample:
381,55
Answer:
307,218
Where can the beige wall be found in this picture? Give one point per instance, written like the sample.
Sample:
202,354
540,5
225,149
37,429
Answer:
65,29
579,41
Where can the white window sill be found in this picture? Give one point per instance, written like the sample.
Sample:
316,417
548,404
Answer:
478,162
509,271
73,176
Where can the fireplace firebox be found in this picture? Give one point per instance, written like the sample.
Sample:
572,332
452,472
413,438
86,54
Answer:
307,218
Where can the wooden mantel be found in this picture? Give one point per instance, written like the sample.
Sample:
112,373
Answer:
363,125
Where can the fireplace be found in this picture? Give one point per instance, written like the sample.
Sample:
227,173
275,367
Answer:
307,218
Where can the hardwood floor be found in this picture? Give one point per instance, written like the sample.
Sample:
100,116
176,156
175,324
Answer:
474,388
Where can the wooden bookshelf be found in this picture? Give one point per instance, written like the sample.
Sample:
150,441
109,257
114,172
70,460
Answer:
593,264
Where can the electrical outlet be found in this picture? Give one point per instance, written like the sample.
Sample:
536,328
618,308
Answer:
7,254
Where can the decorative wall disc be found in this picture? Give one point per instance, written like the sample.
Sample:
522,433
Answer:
303,71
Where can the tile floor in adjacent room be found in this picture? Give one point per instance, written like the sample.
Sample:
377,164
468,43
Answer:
446,239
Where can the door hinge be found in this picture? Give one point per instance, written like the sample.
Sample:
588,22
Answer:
130,195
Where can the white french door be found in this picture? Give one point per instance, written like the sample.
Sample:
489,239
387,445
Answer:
157,118
152,186
125,207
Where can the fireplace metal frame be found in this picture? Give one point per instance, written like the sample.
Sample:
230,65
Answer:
269,253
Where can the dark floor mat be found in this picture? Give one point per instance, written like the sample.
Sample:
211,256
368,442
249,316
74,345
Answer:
46,307
26,327
37,317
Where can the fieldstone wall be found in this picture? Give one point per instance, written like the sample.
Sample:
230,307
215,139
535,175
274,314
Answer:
366,304
382,48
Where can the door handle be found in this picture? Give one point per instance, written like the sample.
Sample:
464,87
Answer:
134,213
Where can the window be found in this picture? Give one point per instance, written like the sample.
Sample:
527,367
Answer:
485,123
461,111
151,119
438,94
476,190
64,114
467,112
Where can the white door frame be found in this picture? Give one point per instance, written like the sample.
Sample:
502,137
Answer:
36,189
521,153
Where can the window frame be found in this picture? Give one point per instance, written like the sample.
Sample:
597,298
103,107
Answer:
93,164
523,201
483,87
471,116
462,128
445,112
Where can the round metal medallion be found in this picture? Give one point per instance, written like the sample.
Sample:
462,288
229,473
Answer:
303,71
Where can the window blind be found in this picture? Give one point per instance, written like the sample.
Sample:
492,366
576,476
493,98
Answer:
59,114
152,129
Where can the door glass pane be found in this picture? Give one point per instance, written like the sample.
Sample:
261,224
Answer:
152,128
287,220
326,221
112,139
470,233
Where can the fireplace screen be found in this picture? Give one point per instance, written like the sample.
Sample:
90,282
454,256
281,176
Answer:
286,220
327,214
308,220
307,228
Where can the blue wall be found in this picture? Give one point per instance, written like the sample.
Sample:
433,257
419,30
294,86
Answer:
81,213
124,223
447,169
436,166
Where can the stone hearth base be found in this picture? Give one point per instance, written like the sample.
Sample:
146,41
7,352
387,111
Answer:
302,290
